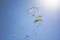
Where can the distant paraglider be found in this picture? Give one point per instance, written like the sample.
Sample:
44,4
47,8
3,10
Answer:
27,36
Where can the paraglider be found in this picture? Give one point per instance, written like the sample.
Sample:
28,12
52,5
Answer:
32,9
37,17
27,36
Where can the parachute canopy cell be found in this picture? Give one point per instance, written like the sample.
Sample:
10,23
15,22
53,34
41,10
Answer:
32,9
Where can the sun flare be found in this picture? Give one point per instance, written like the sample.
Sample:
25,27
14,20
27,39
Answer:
50,4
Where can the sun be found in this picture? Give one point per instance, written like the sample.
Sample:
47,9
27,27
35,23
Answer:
50,4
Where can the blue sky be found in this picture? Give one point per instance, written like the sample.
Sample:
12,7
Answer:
16,19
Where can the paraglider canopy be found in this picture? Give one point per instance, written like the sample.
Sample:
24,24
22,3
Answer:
32,9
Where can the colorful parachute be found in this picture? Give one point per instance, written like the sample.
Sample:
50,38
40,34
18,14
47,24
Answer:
32,9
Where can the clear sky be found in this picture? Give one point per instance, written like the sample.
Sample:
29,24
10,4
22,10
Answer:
17,22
